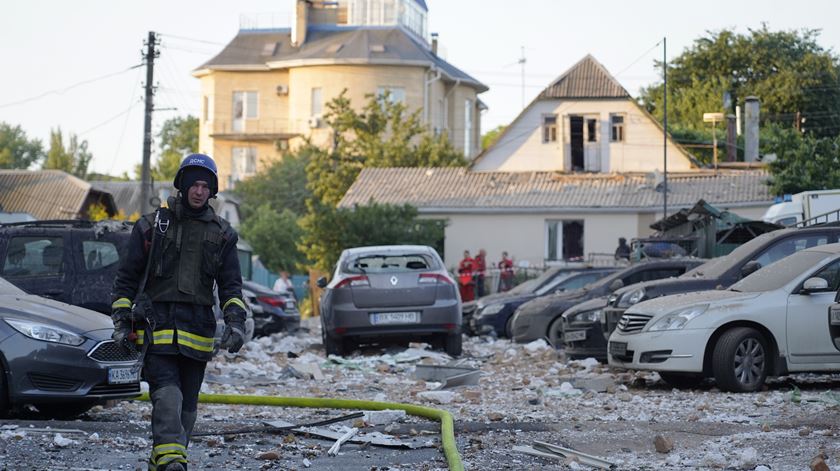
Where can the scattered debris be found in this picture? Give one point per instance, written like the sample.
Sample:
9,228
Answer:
333,451
437,397
383,417
448,376
569,456
268,455
537,346
663,444
818,464
308,370
373,438
62,442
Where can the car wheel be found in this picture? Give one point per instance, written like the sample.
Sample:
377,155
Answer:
332,345
681,380
555,332
5,407
740,362
64,411
509,328
453,345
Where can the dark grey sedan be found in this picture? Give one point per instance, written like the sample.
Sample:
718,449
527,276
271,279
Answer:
394,291
59,358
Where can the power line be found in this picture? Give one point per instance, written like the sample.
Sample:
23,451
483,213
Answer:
59,91
103,123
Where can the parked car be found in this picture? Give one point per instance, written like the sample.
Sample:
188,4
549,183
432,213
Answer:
722,272
540,317
394,291
496,314
273,311
72,261
773,322
59,358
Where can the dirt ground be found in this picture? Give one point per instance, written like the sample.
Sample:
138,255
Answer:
526,393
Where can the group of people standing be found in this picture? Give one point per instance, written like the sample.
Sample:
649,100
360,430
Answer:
472,272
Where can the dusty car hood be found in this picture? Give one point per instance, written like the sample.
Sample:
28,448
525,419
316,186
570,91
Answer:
510,299
554,302
597,303
666,304
39,309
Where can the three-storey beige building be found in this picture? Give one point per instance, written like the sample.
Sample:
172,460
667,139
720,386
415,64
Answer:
268,89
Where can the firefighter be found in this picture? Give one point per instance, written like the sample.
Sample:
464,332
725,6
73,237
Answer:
193,250
466,273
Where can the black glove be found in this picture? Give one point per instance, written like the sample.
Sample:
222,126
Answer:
234,336
123,324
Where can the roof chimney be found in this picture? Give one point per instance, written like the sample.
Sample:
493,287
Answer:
751,129
300,22
434,43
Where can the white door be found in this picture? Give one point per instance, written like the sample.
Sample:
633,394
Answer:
808,337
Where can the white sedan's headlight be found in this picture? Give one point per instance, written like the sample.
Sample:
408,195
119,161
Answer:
586,316
45,332
492,309
631,297
678,319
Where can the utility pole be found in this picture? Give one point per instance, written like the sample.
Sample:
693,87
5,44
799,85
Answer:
521,62
149,55
665,129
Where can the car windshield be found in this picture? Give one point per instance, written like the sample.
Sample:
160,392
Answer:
552,285
776,275
715,268
532,284
8,288
390,263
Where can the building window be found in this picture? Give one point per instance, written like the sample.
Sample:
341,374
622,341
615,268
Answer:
243,163
395,94
317,102
617,128
592,130
549,126
564,240
468,119
245,105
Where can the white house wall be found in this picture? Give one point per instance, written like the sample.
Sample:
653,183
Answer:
521,149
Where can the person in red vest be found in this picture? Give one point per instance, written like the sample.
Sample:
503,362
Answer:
480,271
505,273
466,271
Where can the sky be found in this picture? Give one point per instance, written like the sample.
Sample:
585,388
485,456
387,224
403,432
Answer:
68,63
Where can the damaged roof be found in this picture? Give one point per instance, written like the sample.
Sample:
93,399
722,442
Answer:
50,194
460,190
331,44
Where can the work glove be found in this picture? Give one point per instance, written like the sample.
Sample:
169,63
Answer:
234,336
123,328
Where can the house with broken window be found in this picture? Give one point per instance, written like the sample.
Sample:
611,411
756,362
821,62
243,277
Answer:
268,89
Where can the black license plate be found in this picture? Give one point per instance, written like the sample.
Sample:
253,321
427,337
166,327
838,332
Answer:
618,348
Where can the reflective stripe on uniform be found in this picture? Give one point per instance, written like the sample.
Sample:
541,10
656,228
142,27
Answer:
236,301
121,303
166,459
163,337
141,334
196,342
167,449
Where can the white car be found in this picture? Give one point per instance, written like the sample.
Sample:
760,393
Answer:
773,322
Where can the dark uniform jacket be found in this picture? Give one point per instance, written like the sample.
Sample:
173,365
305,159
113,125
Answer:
190,254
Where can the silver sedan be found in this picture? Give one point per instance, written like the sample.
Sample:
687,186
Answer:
395,292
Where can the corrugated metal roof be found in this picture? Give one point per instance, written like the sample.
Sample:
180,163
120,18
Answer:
341,44
586,79
47,194
127,194
458,189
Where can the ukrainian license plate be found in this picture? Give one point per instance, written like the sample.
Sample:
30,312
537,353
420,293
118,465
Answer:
618,348
574,336
835,315
380,318
128,374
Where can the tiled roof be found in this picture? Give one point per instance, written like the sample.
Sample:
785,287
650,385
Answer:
49,194
264,49
586,79
460,190
127,194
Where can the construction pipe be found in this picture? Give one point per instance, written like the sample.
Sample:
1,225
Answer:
447,425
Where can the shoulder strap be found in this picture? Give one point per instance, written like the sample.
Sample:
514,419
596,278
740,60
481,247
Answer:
143,280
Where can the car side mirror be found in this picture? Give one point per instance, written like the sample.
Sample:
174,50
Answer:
750,268
321,282
616,285
814,284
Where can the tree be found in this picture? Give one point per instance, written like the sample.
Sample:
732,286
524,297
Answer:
282,185
73,159
274,235
17,150
802,162
788,71
489,138
328,231
178,138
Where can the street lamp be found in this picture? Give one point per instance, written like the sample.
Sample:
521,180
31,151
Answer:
713,118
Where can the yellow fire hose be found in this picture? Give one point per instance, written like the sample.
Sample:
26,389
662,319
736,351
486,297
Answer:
447,426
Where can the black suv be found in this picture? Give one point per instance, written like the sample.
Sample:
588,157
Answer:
70,261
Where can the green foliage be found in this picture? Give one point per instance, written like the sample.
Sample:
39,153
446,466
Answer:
328,231
178,138
802,162
274,236
282,184
74,159
489,138
17,150
787,70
